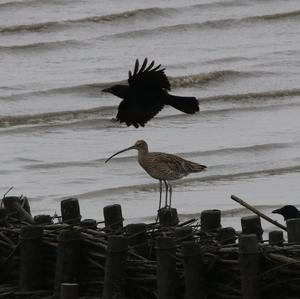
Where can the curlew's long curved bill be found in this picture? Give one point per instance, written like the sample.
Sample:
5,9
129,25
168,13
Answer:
124,150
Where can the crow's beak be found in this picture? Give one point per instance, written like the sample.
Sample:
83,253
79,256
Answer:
124,150
277,211
106,89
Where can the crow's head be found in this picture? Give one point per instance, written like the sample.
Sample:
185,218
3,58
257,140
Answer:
117,90
288,212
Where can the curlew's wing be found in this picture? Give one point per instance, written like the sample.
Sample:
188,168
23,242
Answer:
137,113
148,77
173,166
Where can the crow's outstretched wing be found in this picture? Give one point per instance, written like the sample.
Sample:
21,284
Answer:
136,113
148,77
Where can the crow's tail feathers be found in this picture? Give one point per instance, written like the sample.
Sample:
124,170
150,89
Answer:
188,105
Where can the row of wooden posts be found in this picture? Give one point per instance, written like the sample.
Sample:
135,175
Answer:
69,250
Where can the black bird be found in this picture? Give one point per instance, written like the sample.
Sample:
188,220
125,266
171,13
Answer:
288,212
146,94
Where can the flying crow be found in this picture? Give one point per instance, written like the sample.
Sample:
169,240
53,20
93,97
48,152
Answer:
146,94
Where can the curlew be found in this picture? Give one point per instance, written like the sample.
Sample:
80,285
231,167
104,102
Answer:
146,94
163,167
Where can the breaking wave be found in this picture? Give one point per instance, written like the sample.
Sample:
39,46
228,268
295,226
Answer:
208,113
147,13
253,149
41,46
77,89
60,116
24,3
204,180
176,82
86,117
257,148
55,25
216,24
254,95
198,79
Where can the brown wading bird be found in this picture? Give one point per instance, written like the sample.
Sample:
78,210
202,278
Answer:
163,167
146,94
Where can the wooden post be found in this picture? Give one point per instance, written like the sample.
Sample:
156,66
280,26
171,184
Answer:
276,237
137,238
113,217
249,261
168,217
257,212
69,291
193,270
166,267
210,220
25,204
43,219
31,258
293,230
70,211
252,225
89,223
184,233
67,259
115,268
3,217
226,235
13,205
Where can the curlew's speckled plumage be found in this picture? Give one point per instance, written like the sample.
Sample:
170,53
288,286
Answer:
163,167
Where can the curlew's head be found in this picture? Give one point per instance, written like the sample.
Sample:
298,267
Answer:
117,90
140,145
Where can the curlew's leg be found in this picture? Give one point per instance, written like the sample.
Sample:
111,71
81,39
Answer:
167,190
160,194
170,191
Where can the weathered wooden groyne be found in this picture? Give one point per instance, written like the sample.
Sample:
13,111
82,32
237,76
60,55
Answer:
65,257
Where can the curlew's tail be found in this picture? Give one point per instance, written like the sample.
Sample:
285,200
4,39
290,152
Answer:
193,167
188,105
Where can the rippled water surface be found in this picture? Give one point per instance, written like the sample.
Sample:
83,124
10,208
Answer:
241,59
